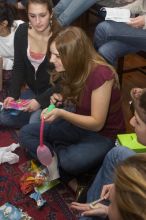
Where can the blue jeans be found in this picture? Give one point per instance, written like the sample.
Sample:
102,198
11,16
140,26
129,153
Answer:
66,11
106,173
114,39
78,150
23,118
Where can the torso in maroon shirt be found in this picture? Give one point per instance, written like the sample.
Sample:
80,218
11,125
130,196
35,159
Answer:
115,121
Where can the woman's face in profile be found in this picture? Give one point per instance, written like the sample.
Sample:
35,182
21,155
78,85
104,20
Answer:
55,58
113,212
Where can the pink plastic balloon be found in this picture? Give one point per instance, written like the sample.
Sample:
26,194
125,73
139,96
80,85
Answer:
44,155
43,152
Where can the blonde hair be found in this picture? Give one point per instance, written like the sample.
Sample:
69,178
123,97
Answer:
130,186
78,57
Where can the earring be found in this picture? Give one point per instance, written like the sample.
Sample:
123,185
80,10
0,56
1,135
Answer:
50,22
29,25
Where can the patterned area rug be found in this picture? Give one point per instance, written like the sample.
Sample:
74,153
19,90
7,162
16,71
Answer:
58,198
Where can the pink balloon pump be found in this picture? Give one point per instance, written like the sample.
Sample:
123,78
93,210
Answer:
43,152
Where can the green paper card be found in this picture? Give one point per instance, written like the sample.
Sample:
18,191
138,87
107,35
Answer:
130,141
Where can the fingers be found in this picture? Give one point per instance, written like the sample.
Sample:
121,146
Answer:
53,100
28,108
44,112
6,101
106,191
76,204
56,97
137,22
91,212
80,206
81,209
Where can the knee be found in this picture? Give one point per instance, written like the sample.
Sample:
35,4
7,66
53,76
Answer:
102,32
68,165
118,154
6,120
71,163
107,52
104,50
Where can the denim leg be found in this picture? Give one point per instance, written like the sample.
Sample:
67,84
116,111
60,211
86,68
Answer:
15,121
11,1
72,9
35,116
112,43
27,94
29,138
61,6
110,30
85,155
106,173
54,134
114,49
78,150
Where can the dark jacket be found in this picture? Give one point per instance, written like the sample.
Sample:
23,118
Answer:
24,72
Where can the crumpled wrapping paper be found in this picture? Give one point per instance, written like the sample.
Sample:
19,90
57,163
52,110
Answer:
7,155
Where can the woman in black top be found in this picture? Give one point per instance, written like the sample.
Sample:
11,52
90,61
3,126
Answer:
31,65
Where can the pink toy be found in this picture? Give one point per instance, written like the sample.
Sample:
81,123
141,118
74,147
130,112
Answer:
18,104
43,152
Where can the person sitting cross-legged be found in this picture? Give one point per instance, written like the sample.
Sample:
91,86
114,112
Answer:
80,138
116,39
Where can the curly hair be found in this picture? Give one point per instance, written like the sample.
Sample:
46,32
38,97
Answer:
8,13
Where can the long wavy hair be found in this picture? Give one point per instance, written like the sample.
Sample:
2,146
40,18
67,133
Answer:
78,57
130,188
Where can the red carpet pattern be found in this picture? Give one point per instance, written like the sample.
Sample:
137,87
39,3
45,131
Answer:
58,198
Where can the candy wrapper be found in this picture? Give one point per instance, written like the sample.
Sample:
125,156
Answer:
10,212
18,104
30,180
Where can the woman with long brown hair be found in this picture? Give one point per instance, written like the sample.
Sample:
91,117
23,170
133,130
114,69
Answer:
83,137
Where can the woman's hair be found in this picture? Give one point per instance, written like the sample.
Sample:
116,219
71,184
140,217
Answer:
139,103
48,3
130,188
7,13
78,57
